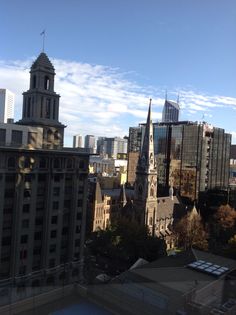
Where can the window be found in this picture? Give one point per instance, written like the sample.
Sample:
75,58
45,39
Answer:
39,221
37,236
23,254
77,242
6,241
28,107
54,219
9,193
42,177
52,263
79,216
52,248
67,204
26,208
55,205
25,223
2,136
54,109
11,163
46,83
79,202
53,234
56,191
37,250
24,239
48,108
65,230
57,177
22,271
56,163
27,193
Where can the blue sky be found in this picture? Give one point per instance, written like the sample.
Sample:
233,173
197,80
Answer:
111,56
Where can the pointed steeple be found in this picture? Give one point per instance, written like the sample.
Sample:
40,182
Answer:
145,193
146,159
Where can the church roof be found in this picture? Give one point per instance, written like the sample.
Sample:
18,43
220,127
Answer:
42,61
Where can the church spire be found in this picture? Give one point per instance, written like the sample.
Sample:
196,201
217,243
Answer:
146,159
145,194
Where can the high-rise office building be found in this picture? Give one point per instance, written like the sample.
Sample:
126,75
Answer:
113,146
191,156
170,111
7,99
43,194
90,142
77,141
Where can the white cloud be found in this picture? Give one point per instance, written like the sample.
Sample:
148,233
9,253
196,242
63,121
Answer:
100,100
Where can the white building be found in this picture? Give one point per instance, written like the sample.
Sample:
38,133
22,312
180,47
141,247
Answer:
77,141
7,100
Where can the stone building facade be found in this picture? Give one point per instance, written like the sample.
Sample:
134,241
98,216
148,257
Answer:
43,195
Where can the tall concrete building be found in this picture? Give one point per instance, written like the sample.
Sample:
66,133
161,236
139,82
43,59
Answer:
170,111
43,194
90,142
77,141
7,100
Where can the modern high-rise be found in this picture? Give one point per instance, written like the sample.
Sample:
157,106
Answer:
7,99
77,141
43,194
170,111
191,156
90,142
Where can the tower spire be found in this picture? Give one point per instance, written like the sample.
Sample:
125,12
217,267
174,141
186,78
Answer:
145,195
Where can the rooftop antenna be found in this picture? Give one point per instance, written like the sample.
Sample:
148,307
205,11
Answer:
166,96
43,34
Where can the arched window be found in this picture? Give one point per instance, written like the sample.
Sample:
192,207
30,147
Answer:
11,163
46,83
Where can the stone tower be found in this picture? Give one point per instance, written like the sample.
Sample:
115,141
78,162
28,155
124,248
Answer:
41,103
145,194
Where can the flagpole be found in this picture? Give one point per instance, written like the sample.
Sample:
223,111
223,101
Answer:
43,33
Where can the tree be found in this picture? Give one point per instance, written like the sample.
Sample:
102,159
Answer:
122,243
225,217
190,232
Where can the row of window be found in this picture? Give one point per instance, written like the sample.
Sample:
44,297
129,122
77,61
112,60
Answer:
43,163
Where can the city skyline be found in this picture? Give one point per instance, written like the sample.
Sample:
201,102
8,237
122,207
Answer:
107,70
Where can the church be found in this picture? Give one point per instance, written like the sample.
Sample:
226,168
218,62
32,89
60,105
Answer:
142,203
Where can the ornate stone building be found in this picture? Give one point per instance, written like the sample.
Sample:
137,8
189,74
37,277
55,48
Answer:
145,195
43,194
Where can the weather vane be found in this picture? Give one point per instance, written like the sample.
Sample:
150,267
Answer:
43,34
